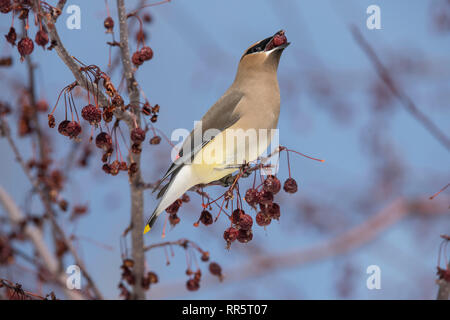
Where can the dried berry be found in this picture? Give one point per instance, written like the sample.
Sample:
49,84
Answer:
136,59
136,148
117,101
62,127
147,109
245,222
106,168
5,6
114,166
147,18
107,115
123,166
279,39
73,129
245,236
185,198
25,47
192,285
153,277
11,37
154,118
215,269
174,219
137,135
236,215
265,197
272,184
290,185
205,256
155,140
230,234
206,217
103,141
51,121
109,24
146,53
251,196
262,219
273,210
173,208
91,114
41,38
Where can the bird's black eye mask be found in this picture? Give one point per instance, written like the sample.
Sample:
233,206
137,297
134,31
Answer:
260,46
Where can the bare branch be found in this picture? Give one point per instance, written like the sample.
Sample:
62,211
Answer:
406,101
35,235
137,199
352,239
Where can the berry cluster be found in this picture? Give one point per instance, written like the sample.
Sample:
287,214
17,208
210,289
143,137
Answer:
21,9
127,277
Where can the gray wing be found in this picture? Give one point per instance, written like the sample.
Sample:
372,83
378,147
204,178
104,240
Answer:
220,116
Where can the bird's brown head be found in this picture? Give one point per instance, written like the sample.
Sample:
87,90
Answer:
264,54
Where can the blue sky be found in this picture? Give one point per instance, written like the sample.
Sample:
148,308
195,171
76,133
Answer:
197,45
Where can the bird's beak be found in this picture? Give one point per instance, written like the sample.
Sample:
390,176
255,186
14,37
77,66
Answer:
277,42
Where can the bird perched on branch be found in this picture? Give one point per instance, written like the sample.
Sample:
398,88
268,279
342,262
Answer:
247,113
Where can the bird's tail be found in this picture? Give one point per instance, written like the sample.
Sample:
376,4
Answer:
180,182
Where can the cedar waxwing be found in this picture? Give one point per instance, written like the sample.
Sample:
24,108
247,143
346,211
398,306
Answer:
251,104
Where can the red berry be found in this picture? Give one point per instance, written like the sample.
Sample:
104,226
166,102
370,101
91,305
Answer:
262,219
265,197
236,216
251,196
290,185
206,218
73,129
192,285
155,140
62,127
5,6
245,236
245,222
147,18
230,234
91,114
11,37
137,135
108,24
279,39
117,101
173,208
272,184
25,46
41,38
103,141
146,53
273,210
174,219
215,269
136,59
51,121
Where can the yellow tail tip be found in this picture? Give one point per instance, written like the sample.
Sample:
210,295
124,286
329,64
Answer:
147,229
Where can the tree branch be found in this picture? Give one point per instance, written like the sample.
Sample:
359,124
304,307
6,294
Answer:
406,101
137,199
352,239
35,235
